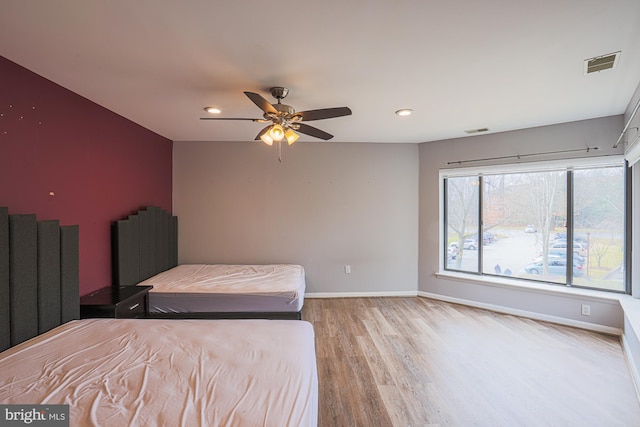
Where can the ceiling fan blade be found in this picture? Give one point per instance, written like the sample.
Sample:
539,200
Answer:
311,131
324,113
262,103
262,132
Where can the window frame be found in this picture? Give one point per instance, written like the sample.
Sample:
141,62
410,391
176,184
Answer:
564,165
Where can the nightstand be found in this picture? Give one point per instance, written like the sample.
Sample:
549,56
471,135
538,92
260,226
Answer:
117,302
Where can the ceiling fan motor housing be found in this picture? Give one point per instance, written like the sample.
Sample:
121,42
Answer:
283,108
279,92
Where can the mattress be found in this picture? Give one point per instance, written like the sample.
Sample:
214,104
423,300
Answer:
191,288
117,372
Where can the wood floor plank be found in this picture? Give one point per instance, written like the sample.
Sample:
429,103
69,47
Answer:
377,365
418,362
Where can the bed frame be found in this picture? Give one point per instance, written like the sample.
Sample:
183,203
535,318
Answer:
145,244
39,276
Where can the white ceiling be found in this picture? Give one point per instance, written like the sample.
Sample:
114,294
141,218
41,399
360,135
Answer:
459,64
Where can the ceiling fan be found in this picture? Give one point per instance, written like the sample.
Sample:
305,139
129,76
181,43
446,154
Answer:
285,121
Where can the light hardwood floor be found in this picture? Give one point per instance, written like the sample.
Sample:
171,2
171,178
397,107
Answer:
421,362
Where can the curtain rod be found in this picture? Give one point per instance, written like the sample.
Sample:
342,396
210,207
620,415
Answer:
626,127
519,156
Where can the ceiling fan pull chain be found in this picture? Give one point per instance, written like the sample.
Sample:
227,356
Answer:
280,151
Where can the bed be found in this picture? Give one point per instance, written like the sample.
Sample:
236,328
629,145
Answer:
145,253
181,372
119,372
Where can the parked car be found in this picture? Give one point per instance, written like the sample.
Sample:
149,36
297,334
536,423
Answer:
530,229
562,254
563,237
556,267
469,243
577,247
487,237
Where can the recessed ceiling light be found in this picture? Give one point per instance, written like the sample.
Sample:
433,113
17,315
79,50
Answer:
213,110
404,112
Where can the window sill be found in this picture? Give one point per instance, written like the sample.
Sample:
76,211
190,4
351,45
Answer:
551,289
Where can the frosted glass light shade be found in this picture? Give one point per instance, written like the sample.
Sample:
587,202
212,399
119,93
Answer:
276,132
291,136
266,138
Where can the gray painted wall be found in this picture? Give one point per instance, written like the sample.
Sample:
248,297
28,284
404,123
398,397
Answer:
602,133
326,206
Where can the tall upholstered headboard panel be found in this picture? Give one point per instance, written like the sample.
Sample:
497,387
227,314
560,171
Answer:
39,276
143,245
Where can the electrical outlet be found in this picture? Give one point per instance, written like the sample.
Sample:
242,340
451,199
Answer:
586,310
347,269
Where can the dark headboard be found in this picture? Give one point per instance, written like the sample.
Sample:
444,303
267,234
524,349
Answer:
39,276
143,245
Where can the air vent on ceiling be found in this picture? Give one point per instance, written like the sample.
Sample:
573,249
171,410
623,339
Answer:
472,131
601,63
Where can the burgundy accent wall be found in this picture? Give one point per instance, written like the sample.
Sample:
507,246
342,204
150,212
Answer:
67,158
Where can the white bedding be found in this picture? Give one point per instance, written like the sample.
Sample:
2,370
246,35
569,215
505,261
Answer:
227,288
121,372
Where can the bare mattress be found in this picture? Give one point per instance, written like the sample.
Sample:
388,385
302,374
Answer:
227,288
118,372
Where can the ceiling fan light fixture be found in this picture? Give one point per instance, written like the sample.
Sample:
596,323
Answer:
266,138
276,132
213,110
291,136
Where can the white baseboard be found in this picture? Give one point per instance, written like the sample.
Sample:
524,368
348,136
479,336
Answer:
633,369
523,313
360,294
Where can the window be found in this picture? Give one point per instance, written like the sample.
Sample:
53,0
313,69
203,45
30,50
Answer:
543,222
462,223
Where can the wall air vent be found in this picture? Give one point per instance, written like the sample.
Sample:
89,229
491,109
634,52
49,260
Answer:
601,63
472,131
